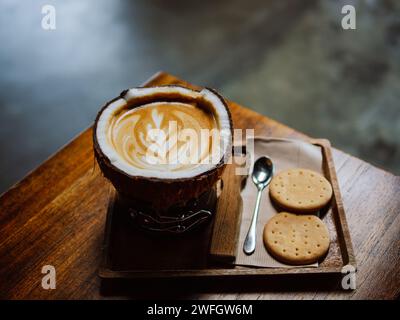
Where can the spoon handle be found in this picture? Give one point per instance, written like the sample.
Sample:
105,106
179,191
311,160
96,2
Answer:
250,242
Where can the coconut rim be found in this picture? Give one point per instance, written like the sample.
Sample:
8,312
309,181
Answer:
106,160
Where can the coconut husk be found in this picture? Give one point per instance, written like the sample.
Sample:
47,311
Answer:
156,192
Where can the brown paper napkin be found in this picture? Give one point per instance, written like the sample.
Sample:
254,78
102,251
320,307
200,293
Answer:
285,154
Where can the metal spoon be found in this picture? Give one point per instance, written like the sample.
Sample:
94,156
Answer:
262,175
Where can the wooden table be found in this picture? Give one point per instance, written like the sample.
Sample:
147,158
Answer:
53,218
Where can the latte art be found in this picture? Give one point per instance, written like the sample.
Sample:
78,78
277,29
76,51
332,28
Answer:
165,136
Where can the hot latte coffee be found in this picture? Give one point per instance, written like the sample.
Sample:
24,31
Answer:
163,145
151,137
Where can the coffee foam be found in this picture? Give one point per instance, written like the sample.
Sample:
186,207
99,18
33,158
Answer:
127,136
153,136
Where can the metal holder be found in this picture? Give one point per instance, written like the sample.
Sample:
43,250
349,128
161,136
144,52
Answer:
175,220
170,224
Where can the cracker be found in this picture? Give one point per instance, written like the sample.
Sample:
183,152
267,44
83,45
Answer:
300,190
296,239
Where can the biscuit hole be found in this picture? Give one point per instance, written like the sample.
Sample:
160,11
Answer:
294,185
318,245
321,196
288,173
317,225
280,232
297,249
284,250
275,184
305,242
309,218
309,252
309,187
279,192
297,254
321,181
312,175
306,236
287,199
285,215
301,172
273,232
293,240
305,224
280,178
275,242
276,222
299,202
312,201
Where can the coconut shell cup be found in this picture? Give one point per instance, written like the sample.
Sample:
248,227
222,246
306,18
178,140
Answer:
159,193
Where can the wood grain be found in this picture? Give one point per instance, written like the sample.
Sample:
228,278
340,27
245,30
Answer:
56,216
224,240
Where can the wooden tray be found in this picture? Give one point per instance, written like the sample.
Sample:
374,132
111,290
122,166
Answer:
132,253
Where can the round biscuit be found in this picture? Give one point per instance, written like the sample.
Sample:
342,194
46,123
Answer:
296,239
300,190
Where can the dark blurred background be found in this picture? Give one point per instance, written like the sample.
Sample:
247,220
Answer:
286,59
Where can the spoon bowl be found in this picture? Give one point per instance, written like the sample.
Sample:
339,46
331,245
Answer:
262,172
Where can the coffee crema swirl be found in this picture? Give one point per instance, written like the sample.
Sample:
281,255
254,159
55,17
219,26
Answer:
164,136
